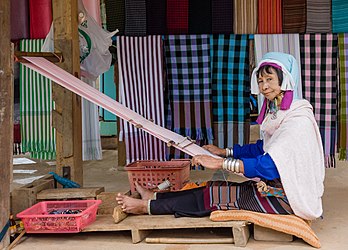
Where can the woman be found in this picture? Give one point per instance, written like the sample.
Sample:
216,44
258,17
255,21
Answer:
289,160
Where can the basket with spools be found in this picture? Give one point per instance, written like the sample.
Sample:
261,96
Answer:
171,175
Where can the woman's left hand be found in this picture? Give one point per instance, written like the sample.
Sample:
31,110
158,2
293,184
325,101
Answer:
207,161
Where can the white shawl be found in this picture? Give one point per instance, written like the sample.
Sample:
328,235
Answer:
293,141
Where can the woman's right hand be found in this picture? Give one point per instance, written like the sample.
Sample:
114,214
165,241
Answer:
215,150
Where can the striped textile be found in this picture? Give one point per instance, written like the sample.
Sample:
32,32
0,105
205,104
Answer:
115,15
245,16
319,76
294,16
230,88
91,142
343,97
199,21
135,23
222,16
339,16
289,224
177,16
36,105
286,43
315,9
140,70
156,17
189,87
232,195
269,16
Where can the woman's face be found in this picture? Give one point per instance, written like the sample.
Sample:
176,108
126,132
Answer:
269,84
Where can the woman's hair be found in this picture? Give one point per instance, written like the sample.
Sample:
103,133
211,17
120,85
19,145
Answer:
266,68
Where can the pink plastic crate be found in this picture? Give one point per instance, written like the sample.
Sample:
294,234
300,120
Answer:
150,174
37,219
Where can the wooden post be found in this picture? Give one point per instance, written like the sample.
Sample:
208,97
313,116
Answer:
67,117
6,119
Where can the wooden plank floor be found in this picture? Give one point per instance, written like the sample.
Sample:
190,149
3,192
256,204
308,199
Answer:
142,225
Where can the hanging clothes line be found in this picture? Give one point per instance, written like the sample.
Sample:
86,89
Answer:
77,86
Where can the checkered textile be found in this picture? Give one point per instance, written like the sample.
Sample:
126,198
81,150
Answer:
343,98
231,88
177,16
189,86
319,76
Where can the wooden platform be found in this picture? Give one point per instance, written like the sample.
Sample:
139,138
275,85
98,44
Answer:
141,225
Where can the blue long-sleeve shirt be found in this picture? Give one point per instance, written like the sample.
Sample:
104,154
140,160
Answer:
256,162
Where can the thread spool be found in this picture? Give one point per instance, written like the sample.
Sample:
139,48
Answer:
164,185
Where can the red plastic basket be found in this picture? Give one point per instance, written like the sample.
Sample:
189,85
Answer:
37,219
150,174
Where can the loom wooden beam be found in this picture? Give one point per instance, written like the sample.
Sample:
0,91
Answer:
6,121
52,57
68,105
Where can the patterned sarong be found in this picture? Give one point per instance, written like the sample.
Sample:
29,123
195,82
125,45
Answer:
231,89
156,17
269,16
115,15
222,16
318,16
135,23
339,16
189,86
177,16
36,105
245,16
319,75
343,98
294,16
199,17
140,70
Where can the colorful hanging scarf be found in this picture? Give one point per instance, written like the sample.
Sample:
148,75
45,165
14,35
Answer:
294,16
319,74
318,16
199,21
286,43
141,89
339,16
135,24
222,16
269,16
156,17
177,16
189,86
343,98
19,19
40,14
231,88
36,105
115,15
245,16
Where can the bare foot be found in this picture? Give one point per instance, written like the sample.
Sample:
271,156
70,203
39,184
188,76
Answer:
144,193
131,205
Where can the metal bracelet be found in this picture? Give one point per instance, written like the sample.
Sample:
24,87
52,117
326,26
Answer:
225,164
148,207
229,152
230,165
237,166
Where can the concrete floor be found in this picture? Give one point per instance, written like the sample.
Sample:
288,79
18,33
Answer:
332,230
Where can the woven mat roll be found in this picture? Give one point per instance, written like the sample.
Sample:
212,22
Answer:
156,17
222,16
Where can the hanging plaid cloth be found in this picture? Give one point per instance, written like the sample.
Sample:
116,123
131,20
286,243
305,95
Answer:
294,16
339,16
199,21
318,16
343,98
36,105
269,16
156,17
231,89
286,43
222,16
319,75
245,16
135,12
115,15
189,87
177,16
140,70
